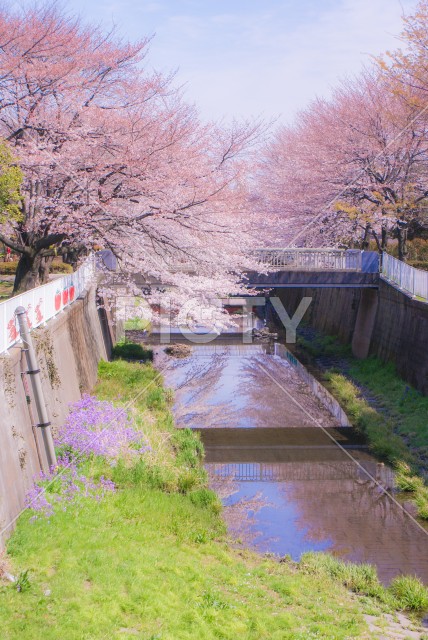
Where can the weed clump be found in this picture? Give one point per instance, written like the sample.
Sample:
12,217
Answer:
131,351
405,592
410,593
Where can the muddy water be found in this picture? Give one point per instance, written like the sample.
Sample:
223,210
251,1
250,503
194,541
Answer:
286,486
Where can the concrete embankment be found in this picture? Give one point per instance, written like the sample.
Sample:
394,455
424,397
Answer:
68,350
386,323
319,391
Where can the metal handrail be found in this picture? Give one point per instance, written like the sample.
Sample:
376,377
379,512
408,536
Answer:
407,278
311,259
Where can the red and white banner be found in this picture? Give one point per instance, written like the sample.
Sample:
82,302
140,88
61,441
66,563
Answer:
43,303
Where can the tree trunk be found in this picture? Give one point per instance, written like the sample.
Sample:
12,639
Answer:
28,273
384,244
366,238
45,269
379,248
402,241
72,256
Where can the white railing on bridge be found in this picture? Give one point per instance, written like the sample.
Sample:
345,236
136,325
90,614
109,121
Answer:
298,471
406,277
43,303
310,259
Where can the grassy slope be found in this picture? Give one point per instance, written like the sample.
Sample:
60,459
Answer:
393,415
402,409
152,560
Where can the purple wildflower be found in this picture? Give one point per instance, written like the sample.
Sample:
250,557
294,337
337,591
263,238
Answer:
98,427
65,484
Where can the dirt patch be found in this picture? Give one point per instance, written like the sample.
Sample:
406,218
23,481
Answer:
393,627
5,572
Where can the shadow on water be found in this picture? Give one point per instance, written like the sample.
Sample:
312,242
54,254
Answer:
286,487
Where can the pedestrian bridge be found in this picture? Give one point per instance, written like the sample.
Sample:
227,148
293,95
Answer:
311,268
315,268
284,267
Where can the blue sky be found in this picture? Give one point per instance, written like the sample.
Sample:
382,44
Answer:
254,57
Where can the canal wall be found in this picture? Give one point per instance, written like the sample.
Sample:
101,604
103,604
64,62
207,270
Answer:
384,322
325,397
68,350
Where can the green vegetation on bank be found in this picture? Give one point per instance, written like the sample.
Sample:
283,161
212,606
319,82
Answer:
417,251
138,324
152,559
5,289
391,414
58,266
126,350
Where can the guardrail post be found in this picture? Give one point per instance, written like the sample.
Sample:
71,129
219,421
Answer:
36,383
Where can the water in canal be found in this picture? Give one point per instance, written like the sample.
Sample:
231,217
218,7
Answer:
286,486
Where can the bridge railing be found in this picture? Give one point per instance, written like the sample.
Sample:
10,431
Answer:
310,259
406,277
43,303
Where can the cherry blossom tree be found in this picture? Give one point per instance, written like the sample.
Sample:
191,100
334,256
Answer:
350,165
406,68
113,157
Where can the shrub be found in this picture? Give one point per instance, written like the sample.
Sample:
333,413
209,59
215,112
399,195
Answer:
410,593
420,264
9,268
132,351
187,480
421,501
61,267
204,497
189,448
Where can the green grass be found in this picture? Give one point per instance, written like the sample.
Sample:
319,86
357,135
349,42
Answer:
152,561
147,564
382,439
410,592
5,289
404,592
138,324
407,407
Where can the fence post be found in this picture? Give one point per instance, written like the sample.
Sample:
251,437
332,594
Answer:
36,383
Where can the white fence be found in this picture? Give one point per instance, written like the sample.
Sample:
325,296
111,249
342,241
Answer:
43,303
414,281
311,259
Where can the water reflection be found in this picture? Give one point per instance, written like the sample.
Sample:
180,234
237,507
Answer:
223,386
318,499
289,490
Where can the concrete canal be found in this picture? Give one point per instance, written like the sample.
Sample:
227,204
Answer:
287,487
